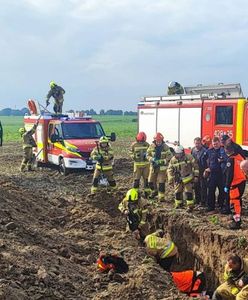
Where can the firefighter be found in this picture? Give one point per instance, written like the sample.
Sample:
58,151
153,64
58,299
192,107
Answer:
235,269
199,153
159,155
192,283
162,248
1,134
235,184
183,171
141,164
103,155
226,140
28,144
111,263
136,210
216,162
175,88
57,92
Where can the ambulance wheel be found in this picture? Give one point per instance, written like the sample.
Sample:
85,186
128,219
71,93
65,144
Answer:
62,168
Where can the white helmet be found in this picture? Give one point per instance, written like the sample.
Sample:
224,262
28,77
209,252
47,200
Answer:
172,84
179,149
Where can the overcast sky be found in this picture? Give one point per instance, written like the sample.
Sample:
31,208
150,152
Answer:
108,53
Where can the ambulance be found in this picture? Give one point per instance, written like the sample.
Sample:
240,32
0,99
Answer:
212,110
64,140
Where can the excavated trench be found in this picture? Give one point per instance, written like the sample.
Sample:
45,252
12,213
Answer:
202,245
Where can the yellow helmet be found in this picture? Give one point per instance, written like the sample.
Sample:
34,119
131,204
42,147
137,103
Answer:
132,195
103,140
52,84
22,130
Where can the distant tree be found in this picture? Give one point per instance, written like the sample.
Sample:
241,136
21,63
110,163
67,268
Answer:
130,113
102,112
5,112
112,112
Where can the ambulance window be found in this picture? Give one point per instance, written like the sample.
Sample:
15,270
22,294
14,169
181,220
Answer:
58,130
224,115
50,130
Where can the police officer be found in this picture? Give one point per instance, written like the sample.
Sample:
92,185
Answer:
104,156
28,144
215,162
138,153
182,172
57,92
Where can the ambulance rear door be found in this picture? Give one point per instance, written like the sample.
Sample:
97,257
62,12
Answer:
147,120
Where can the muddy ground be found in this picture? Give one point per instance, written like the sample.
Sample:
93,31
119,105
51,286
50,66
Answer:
51,233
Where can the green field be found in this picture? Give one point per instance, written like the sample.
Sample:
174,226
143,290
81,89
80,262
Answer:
123,126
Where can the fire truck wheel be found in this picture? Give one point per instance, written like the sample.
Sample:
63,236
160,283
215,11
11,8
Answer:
62,168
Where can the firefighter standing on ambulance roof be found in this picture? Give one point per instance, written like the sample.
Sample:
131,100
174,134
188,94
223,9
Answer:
159,155
57,92
136,210
175,88
162,248
103,155
183,171
235,269
235,181
28,144
138,153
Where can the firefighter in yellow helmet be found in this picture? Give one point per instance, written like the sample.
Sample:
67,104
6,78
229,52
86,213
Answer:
162,248
232,288
103,155
57,92
28,144
159,155
138,153
183,171
136,209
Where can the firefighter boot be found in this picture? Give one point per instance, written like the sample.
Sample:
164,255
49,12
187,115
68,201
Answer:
189,201
153,193
178,200
136,184
94,187
112,185
147,189
161,192
29,167
235,225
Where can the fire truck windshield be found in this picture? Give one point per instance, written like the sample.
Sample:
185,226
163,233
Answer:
82,130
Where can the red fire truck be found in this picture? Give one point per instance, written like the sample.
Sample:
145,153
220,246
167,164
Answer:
64,141
202,110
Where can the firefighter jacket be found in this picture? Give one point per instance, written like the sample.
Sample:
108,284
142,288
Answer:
233,277
138,153
104,158
183,169
160,247
56,92
233,174
138,208
27,137
238,149
159,156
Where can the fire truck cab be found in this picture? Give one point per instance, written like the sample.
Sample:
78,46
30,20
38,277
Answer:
202,110
65,141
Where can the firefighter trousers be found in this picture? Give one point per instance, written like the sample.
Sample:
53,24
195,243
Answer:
138,173
226,292
58,105
156,176
27,158
179,190
236,193
108,174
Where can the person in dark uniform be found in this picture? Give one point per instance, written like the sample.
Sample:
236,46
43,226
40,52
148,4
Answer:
57,92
